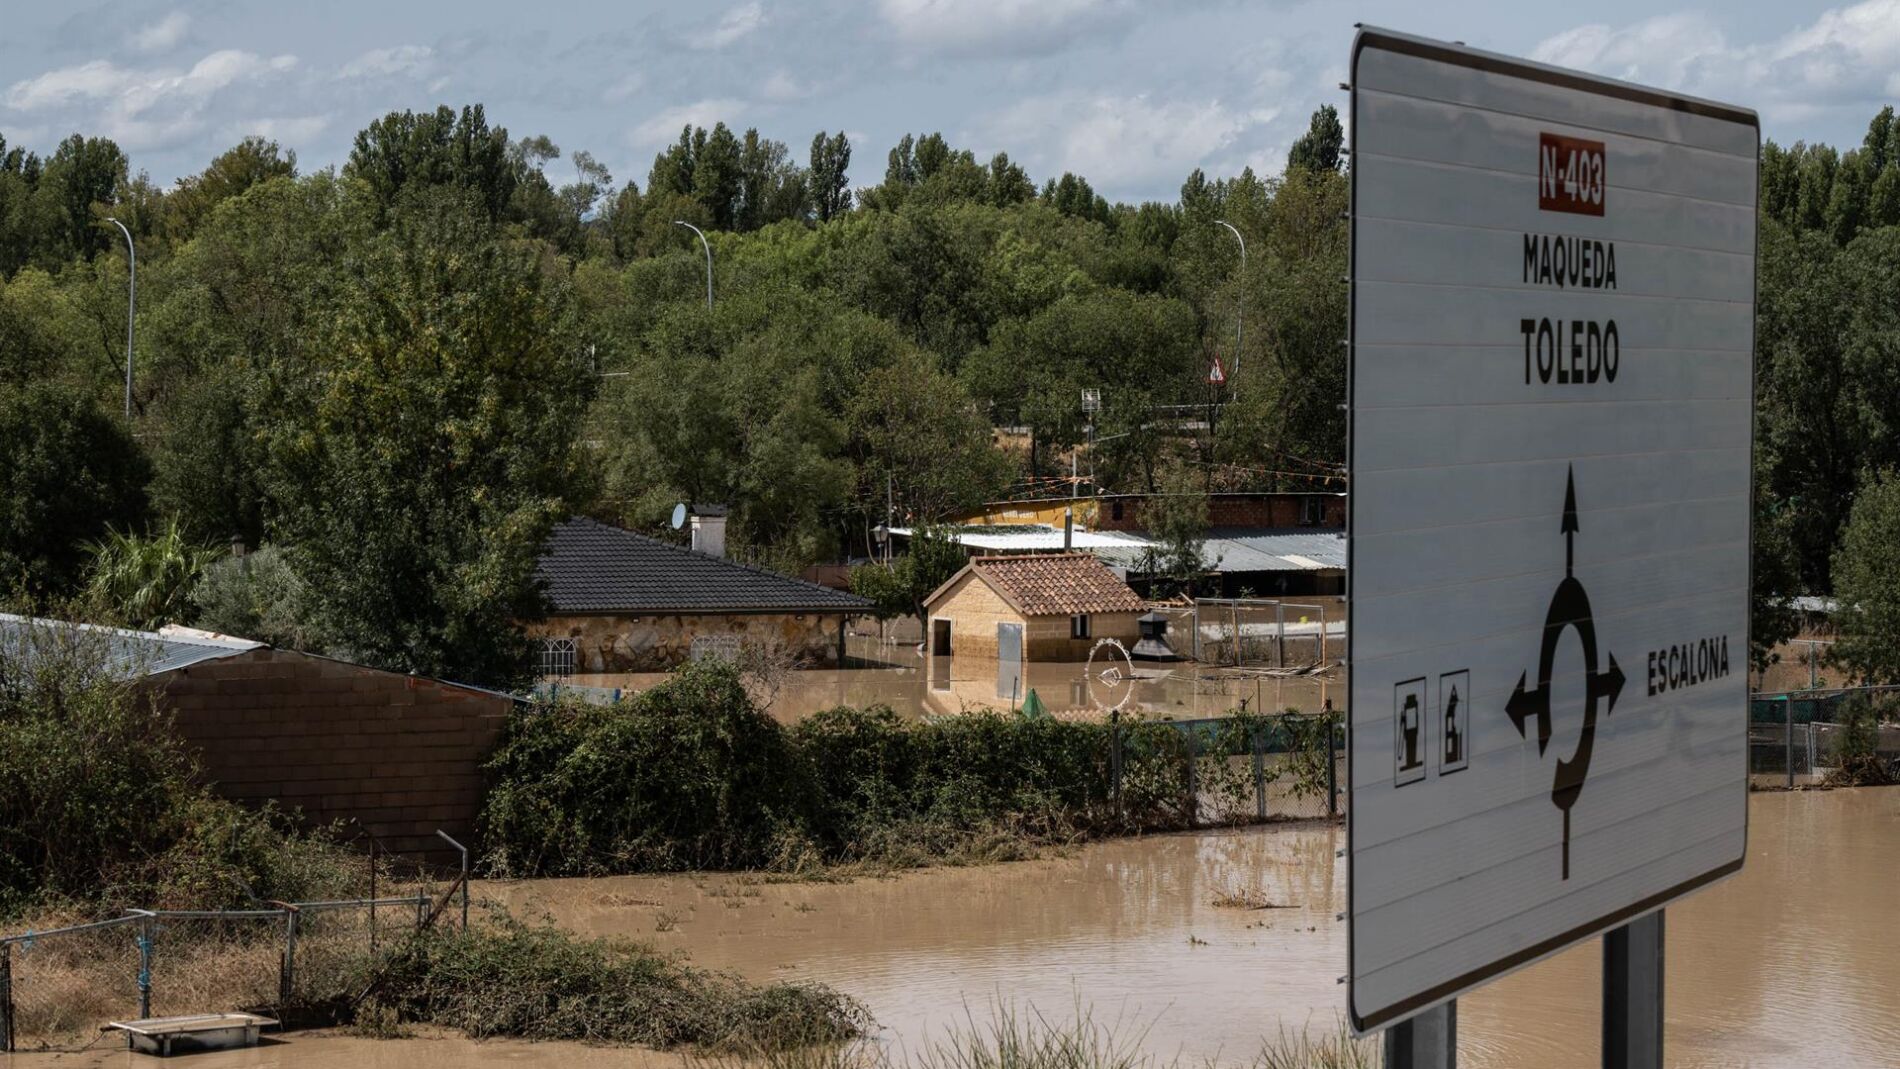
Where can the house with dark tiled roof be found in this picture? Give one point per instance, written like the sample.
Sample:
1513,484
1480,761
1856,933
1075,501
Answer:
1043,607
622,602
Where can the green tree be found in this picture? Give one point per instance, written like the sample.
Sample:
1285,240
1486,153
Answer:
830,180
69,472
81,173
249,162
421,451
1176,518
404,150
257,596
1318,148
900,587
917,433
144,581
1867,585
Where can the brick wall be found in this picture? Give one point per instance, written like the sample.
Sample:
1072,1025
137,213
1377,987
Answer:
974,609
400,754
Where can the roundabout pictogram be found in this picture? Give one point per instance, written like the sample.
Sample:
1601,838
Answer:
1569,607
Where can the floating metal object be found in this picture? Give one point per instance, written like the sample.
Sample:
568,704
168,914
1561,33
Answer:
166,1036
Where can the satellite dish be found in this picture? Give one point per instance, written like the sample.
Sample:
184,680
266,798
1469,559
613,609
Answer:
679,515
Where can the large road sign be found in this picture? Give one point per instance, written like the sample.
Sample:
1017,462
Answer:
1551,376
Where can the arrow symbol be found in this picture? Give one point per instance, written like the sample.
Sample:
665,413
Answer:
1607,684
1525,704
1570,521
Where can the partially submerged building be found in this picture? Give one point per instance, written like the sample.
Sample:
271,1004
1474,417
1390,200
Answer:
397,755
1035,607
622,602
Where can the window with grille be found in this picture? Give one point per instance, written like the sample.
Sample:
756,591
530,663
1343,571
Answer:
557,657
1079,626
1312,512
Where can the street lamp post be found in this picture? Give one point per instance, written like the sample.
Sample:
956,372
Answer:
1240,328
708,248
131,303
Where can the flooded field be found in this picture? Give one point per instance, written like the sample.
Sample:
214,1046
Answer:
1795,963
1199,944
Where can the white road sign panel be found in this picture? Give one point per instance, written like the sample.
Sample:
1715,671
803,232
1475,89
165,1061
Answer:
1551,375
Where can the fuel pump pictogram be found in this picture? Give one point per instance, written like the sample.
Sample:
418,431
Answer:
1569,607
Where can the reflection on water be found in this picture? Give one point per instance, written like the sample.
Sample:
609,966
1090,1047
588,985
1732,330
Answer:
915,685
1795,962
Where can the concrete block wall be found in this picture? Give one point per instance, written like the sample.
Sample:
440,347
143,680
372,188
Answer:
398,753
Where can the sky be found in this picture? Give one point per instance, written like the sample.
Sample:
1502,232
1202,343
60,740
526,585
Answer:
1131,94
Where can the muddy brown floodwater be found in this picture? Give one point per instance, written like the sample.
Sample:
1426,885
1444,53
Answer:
1794,963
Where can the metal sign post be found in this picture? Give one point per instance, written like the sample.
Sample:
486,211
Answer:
1427,1041
1633,994
1550,381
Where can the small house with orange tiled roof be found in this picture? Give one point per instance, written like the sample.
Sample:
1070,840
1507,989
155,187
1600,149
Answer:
1047,607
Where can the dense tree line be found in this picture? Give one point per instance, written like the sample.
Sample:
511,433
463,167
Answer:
398,372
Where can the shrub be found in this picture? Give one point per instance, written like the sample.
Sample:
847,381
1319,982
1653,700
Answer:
689,774
507,978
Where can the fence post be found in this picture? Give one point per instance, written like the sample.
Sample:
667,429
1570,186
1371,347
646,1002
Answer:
1233,623
1332,768
6,998
1258,738
1787,718
1115,758
287,975
145,963
1279,630
1193,786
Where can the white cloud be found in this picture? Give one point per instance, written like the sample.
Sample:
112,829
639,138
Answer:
1012,27
388,62
624,89
664,127
736,23
143,108
1844,60
290,130
163,35
781,87
1123,144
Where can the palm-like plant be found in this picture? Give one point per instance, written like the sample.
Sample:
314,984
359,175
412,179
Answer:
143,580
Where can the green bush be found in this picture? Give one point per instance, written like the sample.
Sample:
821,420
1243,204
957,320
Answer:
507,978
689,774
692,775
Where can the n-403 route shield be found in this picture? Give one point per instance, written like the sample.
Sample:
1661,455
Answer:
1551,374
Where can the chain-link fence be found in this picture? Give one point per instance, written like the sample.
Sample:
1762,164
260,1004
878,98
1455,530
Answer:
1262,632
1228,770
60,986
1799,738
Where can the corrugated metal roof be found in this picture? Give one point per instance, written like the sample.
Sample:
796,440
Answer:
1038,538
127,654
1241,550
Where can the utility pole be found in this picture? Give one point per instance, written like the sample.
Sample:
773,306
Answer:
131,304
1240,327
708,248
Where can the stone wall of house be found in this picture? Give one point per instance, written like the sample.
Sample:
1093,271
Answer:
974,609
400,754
612,644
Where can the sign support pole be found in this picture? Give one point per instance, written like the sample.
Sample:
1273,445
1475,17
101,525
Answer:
1428,1041
1633,994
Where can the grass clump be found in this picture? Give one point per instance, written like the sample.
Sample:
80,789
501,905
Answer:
506,977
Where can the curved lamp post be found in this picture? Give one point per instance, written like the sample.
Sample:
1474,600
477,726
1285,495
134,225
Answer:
131,302
708,248
1240,328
